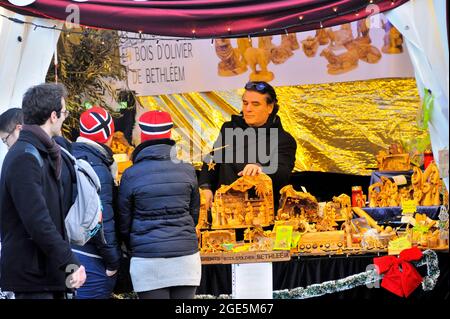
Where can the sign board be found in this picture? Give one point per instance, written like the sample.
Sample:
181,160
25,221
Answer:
252,281
245,257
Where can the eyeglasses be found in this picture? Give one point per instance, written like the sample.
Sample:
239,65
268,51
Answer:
5,139
261,87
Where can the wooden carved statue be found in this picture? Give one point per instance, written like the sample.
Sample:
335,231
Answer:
260,56
394,159
203,213
343,205
342,63
393,40
279,54
373,194
310,46
246,202
328,221
431,185
296,204
231,63
212,240
340,37
243,44
322,36
416,179
366,52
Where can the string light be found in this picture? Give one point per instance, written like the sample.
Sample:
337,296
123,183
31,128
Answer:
86,32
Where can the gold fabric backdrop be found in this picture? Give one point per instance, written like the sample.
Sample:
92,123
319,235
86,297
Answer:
339,127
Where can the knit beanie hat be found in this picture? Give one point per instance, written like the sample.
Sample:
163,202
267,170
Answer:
155,125
96,124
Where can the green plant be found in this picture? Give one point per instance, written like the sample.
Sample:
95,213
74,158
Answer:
84,61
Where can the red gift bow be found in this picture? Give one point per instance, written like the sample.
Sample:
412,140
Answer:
400,277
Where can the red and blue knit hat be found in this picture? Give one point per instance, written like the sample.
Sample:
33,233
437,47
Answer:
96,124
155,125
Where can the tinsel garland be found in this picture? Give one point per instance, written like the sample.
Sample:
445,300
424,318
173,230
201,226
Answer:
365,278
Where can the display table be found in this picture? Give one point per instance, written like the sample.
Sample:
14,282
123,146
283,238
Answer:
304,271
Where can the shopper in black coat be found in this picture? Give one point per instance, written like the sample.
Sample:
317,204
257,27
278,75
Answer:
35,252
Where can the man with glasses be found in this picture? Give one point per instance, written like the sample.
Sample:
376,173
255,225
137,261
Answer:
11,122
36,254
244,146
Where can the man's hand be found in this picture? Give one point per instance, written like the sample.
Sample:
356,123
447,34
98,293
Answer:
78,277
251,170
110,273
208,195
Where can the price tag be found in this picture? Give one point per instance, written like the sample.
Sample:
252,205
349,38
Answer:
408,219
283,238
409,207
400,180
396,246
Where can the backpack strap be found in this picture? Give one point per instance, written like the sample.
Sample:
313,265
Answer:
73,174
30,148
69,155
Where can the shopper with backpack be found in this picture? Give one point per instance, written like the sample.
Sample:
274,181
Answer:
101,254
36,255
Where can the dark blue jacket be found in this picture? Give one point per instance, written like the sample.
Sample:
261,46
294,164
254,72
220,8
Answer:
159,203
100,162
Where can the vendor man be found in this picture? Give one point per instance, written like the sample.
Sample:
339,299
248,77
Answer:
251,143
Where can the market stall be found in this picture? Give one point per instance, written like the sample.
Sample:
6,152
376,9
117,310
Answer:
340,121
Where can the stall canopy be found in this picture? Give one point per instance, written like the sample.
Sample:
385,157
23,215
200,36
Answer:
205,18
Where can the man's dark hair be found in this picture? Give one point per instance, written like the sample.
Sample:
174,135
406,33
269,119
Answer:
41,100
267,89
10,118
